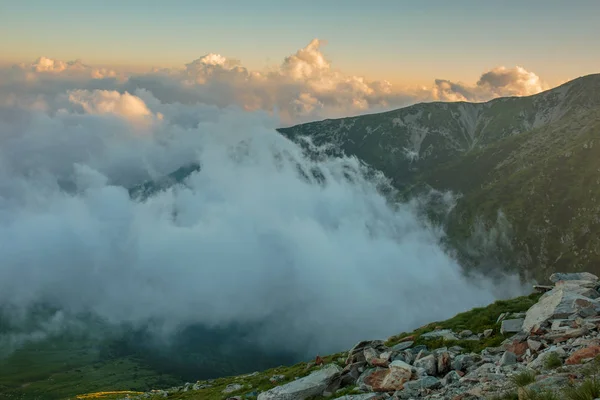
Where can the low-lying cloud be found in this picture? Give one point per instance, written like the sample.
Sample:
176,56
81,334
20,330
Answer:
303,87
308,249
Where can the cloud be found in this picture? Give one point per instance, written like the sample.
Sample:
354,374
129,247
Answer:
304,87
308,250
497,82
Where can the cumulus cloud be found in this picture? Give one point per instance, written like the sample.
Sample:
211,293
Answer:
303,87
307,249
497,82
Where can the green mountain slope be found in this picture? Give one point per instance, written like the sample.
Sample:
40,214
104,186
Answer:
533,158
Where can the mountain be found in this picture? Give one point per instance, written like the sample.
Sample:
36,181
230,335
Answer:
534,159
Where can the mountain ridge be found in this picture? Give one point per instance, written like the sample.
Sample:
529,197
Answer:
488,146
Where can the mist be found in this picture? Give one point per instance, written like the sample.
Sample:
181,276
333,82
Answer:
307,250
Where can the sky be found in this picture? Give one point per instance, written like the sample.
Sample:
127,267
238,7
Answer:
96,97
403,42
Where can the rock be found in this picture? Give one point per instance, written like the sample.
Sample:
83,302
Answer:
511,325
300,389
450,378
386,355
369,354
516,346
386,380
428,382
276,378
443,362
540,362
428,363
487,333
465,333
548,383
575,276
356,354
378,362
583,354
234,387
362,396
534,345
558,303
508,358
445,334
403,346
462,362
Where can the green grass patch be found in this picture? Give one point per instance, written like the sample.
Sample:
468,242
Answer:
523,378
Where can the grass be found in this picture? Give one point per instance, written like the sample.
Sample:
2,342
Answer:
588,390
523,378
511,395
476,320
552,361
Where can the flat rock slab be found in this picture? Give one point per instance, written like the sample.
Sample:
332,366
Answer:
446,334
512,325
558,303
576,276
300,389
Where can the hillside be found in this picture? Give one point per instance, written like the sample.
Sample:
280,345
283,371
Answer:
537,347
533,158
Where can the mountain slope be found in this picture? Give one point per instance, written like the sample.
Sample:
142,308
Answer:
532,158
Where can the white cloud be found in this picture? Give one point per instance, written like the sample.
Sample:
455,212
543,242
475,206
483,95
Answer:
249,228
303,87
109,102
497,82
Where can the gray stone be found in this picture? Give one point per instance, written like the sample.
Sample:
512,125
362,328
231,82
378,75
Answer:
462,362
370,353
234,387
508,358
558,303
402,346
362,396
428,363
428,382
446,334
465,333
540,362
487,333
385,379
300,389
534,344
450,378
511,325
575,276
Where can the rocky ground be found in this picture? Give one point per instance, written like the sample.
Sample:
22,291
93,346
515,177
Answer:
550,351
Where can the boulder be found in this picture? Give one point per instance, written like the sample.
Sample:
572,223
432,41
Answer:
428,363
574,276
445,334
234,387
386,380
487,333
558,303
540,362
443,362
511,325
362,396
300,389
583,354
403,345
462,362
427,382
508,358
